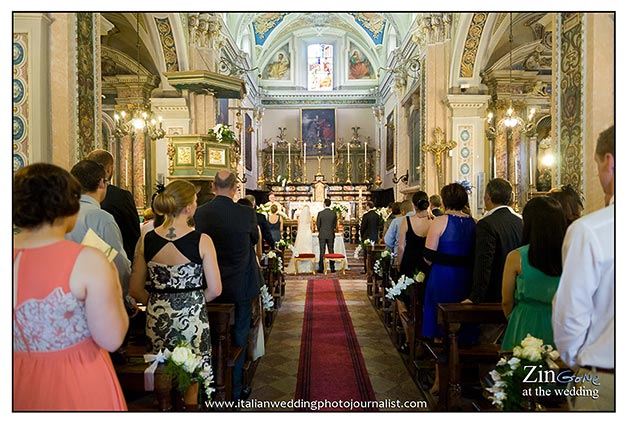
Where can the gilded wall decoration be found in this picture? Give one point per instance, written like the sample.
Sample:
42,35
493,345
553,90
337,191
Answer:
167,44
471,44
373,23
264,24
20,100
86,83
571,86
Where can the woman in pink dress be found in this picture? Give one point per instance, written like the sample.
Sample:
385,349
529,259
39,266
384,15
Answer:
67,302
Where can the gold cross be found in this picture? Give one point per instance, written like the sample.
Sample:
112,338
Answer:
438,147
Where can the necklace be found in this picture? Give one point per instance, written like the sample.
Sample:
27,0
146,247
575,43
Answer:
457,213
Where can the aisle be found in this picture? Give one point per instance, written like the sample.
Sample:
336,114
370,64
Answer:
276,375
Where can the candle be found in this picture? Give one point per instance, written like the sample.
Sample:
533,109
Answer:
365,153
348,153
332,153
288,153
144,171
126,172
273,156
395,170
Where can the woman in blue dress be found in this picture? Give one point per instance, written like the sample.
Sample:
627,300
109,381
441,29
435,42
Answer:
449,248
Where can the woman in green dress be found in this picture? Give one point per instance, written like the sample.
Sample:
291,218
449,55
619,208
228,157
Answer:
532,273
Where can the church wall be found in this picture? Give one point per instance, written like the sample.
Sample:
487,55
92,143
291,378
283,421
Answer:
599,97
63,88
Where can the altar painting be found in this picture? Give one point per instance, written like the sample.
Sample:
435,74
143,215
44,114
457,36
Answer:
318,124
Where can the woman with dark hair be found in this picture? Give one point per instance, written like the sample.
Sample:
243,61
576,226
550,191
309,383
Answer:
569,200
449,248
68,309
532,273
175,272
412,234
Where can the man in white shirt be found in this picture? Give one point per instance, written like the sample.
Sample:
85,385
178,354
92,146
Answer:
583,315
392,234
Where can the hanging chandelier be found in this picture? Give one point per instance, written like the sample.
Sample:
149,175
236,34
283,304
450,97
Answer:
511,120
138,117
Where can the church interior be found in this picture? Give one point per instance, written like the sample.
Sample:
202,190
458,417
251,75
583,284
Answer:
362,108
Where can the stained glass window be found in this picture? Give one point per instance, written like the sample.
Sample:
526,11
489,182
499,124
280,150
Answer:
320,67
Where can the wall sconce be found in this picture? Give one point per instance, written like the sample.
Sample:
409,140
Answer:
403,178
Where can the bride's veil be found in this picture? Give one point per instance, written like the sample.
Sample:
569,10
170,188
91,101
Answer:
303,242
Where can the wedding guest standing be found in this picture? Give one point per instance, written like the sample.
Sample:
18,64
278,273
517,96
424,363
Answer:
119,203
233,228
584,307
569,200
67,302
498,233
532,272
276,223
93,180
180,266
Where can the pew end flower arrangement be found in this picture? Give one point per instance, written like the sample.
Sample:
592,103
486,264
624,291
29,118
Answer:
283,244
184,367
384,259
267,299
277,263
403,283
509,376
362,246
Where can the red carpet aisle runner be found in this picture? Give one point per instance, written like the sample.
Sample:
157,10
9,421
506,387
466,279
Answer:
331,367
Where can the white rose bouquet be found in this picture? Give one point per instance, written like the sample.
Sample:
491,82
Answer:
185,367
509,376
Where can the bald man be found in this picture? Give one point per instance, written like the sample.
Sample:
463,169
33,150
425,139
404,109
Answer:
233,229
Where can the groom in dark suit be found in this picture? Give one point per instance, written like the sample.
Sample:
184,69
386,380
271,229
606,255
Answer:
233,229
326,222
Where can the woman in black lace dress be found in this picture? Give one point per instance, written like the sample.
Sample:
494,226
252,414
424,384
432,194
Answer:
168,271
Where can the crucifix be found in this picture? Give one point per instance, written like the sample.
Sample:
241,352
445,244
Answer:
319,146
437,148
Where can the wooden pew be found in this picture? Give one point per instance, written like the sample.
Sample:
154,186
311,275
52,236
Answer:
451,316
373,281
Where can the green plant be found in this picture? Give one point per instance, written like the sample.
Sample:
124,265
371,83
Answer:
222,133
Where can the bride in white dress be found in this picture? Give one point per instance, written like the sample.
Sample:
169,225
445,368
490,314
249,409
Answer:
303,242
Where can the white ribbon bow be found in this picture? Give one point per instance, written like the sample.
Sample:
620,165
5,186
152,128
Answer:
149,373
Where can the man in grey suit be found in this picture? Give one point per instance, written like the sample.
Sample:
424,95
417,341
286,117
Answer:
326,222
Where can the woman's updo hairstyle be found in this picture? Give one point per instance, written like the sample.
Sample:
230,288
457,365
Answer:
273,208
173,199
43,192
420,201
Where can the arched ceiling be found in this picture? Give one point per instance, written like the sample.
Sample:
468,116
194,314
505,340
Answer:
264,30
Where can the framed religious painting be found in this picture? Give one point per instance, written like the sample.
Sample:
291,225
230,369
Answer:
318,125
390,141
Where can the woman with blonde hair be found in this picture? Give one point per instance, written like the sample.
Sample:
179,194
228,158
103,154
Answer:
168,272
67,302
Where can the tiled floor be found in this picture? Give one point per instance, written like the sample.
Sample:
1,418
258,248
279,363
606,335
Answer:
276,375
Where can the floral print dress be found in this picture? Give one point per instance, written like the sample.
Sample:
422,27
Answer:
175,311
